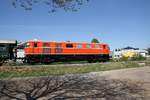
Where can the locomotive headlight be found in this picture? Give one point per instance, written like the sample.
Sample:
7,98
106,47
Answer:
27,45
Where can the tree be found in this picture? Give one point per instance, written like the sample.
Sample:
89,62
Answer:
94,40
53,5
148,51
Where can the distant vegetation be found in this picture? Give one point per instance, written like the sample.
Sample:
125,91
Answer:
148,49
94,40
134,58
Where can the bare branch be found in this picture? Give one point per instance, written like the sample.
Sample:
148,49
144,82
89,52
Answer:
53,5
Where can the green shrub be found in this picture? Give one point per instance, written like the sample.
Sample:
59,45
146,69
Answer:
136,57
123,58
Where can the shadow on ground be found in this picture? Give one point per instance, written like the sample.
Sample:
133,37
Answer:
71,87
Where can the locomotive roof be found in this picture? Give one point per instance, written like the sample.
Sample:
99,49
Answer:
61,42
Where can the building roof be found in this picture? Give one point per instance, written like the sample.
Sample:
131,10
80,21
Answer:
128,48
8,41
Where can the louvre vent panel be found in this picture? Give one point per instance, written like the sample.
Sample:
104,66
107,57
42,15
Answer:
46,50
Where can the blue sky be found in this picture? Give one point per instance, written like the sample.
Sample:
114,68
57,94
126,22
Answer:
119,23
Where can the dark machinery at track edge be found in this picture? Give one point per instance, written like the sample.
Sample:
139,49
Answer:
7,50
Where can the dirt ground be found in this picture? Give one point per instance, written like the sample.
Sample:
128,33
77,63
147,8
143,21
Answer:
141,74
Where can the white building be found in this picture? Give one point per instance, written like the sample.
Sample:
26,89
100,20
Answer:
128,51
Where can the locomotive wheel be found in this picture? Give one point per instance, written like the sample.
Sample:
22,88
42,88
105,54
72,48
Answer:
89,61
29,61
48,60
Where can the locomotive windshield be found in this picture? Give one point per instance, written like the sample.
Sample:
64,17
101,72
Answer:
22,45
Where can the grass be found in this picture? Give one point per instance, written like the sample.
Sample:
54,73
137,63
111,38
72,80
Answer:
42,70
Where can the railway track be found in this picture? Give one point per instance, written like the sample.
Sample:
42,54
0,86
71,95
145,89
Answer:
75,63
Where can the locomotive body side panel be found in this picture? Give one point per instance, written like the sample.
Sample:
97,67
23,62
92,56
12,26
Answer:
58,51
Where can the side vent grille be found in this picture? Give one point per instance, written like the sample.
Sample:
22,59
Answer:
58,50
46,50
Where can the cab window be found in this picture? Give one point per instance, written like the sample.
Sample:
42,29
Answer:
104,47
69,45
88,46
97,46
35,45
79,45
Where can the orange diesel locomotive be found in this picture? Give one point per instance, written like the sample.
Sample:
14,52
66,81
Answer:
47,52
